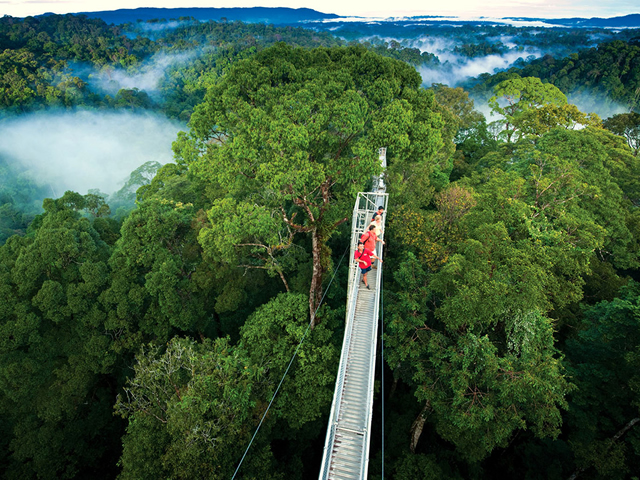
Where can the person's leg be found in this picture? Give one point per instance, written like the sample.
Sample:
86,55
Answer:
364,279
364,272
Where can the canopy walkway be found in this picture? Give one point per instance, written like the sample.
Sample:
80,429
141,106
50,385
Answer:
346,450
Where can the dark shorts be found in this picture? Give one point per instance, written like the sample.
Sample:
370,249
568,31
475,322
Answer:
365,270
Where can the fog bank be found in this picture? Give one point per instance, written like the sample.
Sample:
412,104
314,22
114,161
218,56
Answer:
145,76
454,68
86,149
457,69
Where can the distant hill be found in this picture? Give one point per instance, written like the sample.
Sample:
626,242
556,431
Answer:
247,15
629,21
292,16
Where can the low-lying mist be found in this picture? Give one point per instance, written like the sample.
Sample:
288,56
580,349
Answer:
457,69
597,103
145,76
85,150
454,68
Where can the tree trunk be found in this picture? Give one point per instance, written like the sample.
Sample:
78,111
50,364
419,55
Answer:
315,292
418,425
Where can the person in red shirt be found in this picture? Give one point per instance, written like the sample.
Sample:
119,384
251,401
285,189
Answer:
369,238
363,257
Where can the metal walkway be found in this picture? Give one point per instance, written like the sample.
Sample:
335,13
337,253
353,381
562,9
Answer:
346,450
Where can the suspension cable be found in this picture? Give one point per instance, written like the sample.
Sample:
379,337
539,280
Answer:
291,362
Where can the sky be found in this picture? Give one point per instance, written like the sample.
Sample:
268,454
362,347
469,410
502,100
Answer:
367,8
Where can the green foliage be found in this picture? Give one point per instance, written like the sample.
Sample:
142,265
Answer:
497,257
191,410
184,86
458,111
20,200
54,353
393,49
123,201
36,55
483,372
156,266
605,360
262,242
483,49
422,466
609,72
271,335
132,99
511,348
73,37
43,60
25,83
521,102
595,168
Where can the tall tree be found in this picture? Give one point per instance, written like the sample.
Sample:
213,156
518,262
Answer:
295,134
626,125
518,101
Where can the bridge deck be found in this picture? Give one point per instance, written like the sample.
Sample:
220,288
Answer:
353,419
346,450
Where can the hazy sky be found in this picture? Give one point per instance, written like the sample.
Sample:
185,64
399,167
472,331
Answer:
462,8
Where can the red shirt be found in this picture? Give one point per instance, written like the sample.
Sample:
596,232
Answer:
369,239
363,258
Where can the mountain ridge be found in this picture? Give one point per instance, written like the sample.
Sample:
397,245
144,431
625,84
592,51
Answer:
286,15
246,14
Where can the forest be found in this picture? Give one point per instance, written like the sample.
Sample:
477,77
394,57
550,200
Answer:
143,332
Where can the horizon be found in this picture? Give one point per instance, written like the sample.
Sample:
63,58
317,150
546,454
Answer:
460,9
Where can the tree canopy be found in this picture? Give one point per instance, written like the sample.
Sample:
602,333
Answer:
289,136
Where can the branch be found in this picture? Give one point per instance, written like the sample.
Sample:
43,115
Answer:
304,203
326,185
289,221
616,437
418,425
340,222
344,144
625,429
544,207
284,280
251,245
